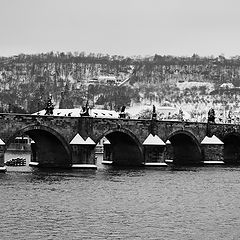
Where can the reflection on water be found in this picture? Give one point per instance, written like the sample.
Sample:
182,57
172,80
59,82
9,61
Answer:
111,203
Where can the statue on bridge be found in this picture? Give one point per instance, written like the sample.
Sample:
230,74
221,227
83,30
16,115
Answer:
180,115
154,114
50,107
85,111
211,116
122,114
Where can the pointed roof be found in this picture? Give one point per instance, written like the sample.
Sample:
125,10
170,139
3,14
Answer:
168,142
77,140
211,140
105,142
2,142
89,141
153,140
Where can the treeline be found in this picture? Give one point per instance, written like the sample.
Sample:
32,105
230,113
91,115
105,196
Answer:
61,57
82,57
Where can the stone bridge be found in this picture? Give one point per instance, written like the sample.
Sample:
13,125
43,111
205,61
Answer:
61,141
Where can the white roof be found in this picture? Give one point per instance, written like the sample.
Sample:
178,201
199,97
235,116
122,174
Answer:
77,140
2,142
153,140
105,141
211,140
89,141
168,142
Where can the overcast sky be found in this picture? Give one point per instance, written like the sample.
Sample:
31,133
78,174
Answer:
122,27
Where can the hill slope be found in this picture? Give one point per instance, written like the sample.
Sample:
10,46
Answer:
113,81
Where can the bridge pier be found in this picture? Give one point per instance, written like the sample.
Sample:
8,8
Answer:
154,151
154,156
83,157
83,154
213,154
212,150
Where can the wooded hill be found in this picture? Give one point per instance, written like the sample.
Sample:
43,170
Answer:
27,80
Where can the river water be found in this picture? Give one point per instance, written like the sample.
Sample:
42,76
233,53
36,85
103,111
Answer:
114,203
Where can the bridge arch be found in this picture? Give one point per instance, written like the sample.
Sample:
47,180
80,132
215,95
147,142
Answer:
50,149
125,147
186,149
232,148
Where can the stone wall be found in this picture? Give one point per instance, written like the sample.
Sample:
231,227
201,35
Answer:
213,152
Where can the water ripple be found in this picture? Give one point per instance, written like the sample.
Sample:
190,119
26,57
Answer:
199,203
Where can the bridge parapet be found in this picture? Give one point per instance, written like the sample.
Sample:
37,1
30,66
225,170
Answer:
222,130
139,128
168,128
